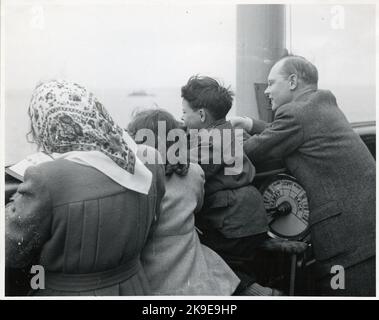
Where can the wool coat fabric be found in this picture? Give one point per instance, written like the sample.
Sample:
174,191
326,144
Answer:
174,260
335,167
232,205
85,230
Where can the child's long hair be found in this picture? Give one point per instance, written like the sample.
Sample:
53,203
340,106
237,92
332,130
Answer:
148,119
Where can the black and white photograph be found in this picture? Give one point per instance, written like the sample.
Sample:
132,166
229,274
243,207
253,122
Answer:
219,150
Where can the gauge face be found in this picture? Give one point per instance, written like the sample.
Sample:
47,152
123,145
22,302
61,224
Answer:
284,191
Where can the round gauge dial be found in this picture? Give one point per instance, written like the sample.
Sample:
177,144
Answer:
286,204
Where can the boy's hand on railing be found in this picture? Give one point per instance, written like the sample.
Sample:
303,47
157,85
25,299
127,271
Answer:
241,122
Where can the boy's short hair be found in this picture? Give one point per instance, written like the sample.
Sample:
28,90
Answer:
208,93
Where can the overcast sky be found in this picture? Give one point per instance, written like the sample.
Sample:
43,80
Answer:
339,40
118,45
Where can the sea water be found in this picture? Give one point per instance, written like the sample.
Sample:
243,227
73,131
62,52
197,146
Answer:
120,103
357,103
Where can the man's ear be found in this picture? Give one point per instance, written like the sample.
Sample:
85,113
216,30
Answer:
203,115
293,80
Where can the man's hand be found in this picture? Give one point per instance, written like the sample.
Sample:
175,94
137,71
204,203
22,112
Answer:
241,122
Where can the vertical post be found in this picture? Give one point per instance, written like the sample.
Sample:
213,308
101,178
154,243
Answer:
293,274
260,43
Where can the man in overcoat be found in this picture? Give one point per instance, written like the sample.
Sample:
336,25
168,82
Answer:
321,150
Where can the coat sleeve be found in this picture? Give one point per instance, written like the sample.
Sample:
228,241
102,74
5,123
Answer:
199,188
161,189
157,192
27,220
258,126
284,135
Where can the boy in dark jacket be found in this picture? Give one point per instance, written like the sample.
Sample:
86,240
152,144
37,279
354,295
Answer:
233,219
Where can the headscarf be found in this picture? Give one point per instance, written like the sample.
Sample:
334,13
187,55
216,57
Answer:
65,117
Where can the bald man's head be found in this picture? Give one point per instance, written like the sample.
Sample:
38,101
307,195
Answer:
300,66
288,77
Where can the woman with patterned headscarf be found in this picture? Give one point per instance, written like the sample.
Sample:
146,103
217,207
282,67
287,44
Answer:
86,215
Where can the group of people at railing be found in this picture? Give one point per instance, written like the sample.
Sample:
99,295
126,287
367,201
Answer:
152,211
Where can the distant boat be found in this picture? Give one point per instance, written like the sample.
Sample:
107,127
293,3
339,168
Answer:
140,93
